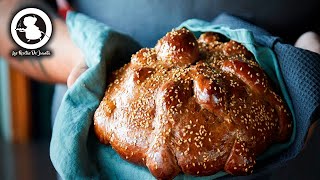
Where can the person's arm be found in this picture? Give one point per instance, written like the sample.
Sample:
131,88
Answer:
55,68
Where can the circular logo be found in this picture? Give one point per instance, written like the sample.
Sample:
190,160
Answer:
31,28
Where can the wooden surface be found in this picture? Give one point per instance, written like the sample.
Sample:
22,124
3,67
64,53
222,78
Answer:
20,106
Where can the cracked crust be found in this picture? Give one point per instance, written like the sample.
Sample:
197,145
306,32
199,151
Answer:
192,106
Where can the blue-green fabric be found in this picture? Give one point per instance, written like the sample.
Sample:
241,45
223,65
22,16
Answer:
75,151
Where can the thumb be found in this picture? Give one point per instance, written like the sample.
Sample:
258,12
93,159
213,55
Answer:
309,41
76,72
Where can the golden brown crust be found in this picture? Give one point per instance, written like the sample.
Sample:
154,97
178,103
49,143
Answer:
192,106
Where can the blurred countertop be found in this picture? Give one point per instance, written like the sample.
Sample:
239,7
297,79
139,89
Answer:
26,161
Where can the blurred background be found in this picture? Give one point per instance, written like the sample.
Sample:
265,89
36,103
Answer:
25,126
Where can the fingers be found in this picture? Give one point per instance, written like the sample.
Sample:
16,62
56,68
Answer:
309,41
76,72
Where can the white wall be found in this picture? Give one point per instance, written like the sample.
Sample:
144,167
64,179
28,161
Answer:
5,115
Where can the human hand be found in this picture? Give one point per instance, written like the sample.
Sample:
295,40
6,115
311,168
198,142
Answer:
80,68
309,41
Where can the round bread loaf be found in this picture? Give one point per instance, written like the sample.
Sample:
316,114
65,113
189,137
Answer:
192,106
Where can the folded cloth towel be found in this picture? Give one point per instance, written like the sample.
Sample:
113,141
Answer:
75,151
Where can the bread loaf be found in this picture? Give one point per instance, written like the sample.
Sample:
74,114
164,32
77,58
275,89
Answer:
196,106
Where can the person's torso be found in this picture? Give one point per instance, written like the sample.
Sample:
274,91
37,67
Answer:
148,20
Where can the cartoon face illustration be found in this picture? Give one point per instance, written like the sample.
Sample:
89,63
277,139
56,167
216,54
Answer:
29,21
32,32
31,28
